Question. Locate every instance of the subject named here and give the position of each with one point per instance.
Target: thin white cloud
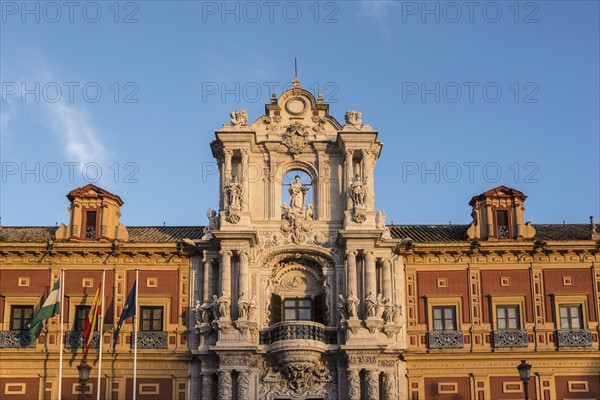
(378, 11)
(79, 138)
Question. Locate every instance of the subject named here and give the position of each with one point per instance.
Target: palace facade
(297, 288)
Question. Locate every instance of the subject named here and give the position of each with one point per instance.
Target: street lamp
(84, 374)
(525, 374)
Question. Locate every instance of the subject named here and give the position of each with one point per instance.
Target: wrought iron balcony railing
(293, 330)
(150, 340)
(445, 340)
(574, 337)
(510, 338)
(16, 340)
(74, 340)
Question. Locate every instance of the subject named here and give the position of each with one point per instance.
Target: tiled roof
(163, 234)
(430, 233)
(137, 234)
(457, 233)
(418, 233)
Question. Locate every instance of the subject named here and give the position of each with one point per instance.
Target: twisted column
(353, 385)
(372, 385)
(225, 385)
(243, 386)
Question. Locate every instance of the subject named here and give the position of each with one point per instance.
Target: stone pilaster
(208, 389)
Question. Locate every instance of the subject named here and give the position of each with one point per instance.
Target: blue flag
(127, 312)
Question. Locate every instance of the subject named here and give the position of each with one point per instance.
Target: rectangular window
(81, 314)
(20, 316)
(571, 316)
(507, 317)
(444, 318)
(151, 319)
(502, 224)
(90, 225)
(297, 310)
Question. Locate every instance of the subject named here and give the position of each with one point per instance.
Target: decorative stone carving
(234, 192)
(375, 305)
(353, 385)
(273, 123)
(238, 118)
(319, 124)
(208, 389)
(225, 385)
(342, 308)
(224, 309)
(352, 303)
(389, 386)
(372, 385)
(353, 119)
(357, 193)
(359, 217)
(380, 219)
(233, 217)
(296, 138)
(243, 385)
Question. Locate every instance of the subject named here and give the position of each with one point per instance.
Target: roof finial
(593, 224)
(296, 83)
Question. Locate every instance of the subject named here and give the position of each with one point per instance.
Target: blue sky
(465, 97)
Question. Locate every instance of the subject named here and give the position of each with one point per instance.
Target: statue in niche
(243, 307)
(380, 306)
(234, 192)
(352, 304)
(357, 193)
(397, 314)
(342, 308)
(297, 192)
(252, 308)
(198, 312)
(224, 309)
(371, 302)
(214, 307)
(207, 312)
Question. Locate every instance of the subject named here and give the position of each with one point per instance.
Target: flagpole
(135, 339)
(62, 306)
(101, 330)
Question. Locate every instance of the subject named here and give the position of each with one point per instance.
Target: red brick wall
(165, 389)
(519, 285)
(31, 388)
(74, 286)
(39, 282)
(562, 387)
(582, 283)
(167, 285)
(462, 384)
(457, 285)
(497, 390)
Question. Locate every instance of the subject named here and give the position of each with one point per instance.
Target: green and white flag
(50, 308)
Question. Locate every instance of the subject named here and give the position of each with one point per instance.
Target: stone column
(207, 287)
(225, 174)
(225, 273)
(225, 385)
(387, 279)
(367, 178)
(351, 273)
(353, 385)
(389, 386)
(371, 274)
(490, 221)
(208, 390)
(372, 385)
(243, 386)
(244, 179)
(349, 176)
(243, 278)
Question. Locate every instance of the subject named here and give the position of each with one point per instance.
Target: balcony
(16, 340)
(445, 340)
(150, 340)
(573, 338)
(510, 338)
(294, 330)
(74, 340)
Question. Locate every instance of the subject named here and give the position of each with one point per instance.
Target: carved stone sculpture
(214, 307)
(342, 308)
(234, 193)
(297, 192)
(198, 312)
(371, 302)
(243, 384)
(238, 118)
(357, 193)
(380, 219)
(225, 385)
(352, 303)
(353, 385)
(380, 305)
(224, 309)
(296, 138)
(243, 307)
(212, 221)
(353, 118)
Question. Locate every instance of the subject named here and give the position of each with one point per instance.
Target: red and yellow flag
(90, 322)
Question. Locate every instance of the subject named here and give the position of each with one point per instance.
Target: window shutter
(319, 310)
(275, 309)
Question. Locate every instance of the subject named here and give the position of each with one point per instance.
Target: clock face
(295, 106)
